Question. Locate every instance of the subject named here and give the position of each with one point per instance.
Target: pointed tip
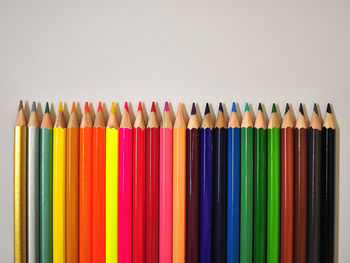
(220, 107)
(126, 107)
(60, 107)
(179, 108)
(87, 109)
(20, 106)
(246, 107)
(287, 108)
(47, 108)
(73, 107)
(301, 109)
(193, 110)
(207, 109)
(139, 108)
(153, 108)
(315, 108)
(329, 110)
(166, 106)
(33, 106)
(234, 109)
(99, 108)
(260, 107)
(274, 108)
(113, 107)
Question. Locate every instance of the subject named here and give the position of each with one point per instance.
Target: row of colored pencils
(234, 191)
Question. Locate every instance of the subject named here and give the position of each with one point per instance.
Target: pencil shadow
(145, 113)
(266, 116)
(92, 112)
(252, 112)
(39, 110)
(239, 113)
(212, 113)
(66, 112)
(118, 113)
(158, 113)
(171, 111)
(105, 112)
(199, 114)
(26, 109)
(53, 113)
(185, 113)
(226, 114)
(131, 114)
(78, 111)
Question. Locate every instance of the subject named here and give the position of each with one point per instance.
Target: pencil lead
(301, 109)
(315, 108)
(113, 108)
(246, 107)
(274, 108)
(193, 110)
(73, 107)
(329, 110)
(47, 108)
(99, 106)
(60, 108)
(220, 107)
(20, 106)
(287, 108)
(153, 108)
(260, 107)
(87, 109)
(139, 107)
(33, 106)
(234, 109)
(166, 106)
(126, 107)
(207, 109)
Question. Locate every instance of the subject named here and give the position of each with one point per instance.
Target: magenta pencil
(125, 189)
(166, 188)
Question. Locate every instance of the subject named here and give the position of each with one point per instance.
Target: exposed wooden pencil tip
(193, 110)
(234, 109)
(99, 106)
(126, 107)
(60, 107)
(139, 107)
(20, 106)
(47, 108)
(179, 108)
(207, 109)
(246, 107)
(73, 107)
(166, 106)
(33, 106)
(274, 108)
(287, 108)
(329, 110)
(301, 109)
(113, 108)
(87, 109)
(260, 107)
(315, 108)
(220, 107)
(153, 108)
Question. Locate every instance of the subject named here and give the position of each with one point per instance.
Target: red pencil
(99, 188)
(138, 200)
(152, 187)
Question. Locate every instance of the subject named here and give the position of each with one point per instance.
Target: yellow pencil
(59, 188)
(112, 145)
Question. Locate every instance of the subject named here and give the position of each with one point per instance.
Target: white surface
(185, 50)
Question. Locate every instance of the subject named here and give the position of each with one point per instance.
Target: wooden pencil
(59, 187)
(152, 187)
(300, 188)
(179, 187)
(287, 187)
(125, 189)
(166, 187)
(314, 187)
(112, 146)
(46, 133)
(219, 188)
(98, 218)
(85, 187)
(206, 187)
(72, 192)
(273, 187)
(33, 186)
(138, 187)
(233, 186)
(260, 152)
(328, 189)
(192, 187)
(20, 187)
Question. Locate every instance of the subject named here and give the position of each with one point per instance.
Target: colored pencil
(152, 187)
(59, 188)
(246, 240)
(287, 187)
(179, 188)
(46, 133)
(85, 187)
(138, 187)
(112, 145)
(314, 187)
(328, 189)
(98, 218)
(166, 187)
(72, 193)
(33, 186)
(20, 187)
(260, 140)
(233, 186)
(273, 187)
(300, 188)
(192, 187)
(206, 187)
(219, 188)
(125, 189)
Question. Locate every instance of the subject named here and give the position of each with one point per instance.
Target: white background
(184, 50)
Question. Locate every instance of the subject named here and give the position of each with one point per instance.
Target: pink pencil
(166, 188)
(125, 189)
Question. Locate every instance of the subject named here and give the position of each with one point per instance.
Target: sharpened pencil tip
(113, 107)
(47, 108)
(234, 109)
(179, 108)
(73, 107)
(166, 106)
(139, 108)
(87, 109)
(99, 106)
(274, 108)
(207, 109)
(220, 107)
(20, 106)
(153, 108)
(301, 109)
(33, 106)
(329, 110)
(287, 108)
(193, 110)
(126, 107)
(315, 108)
(246, 107)
(60, 107)
(260, 107)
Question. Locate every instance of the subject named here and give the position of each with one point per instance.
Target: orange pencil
(72, 192)
(99, 188)
(179, 187)
(85, 172)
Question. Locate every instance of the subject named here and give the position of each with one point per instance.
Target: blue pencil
(233, 186)
(206, 187)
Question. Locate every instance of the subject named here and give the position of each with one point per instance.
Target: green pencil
(46, 187)
(260, 188)
(246, 237)
(273, 187)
